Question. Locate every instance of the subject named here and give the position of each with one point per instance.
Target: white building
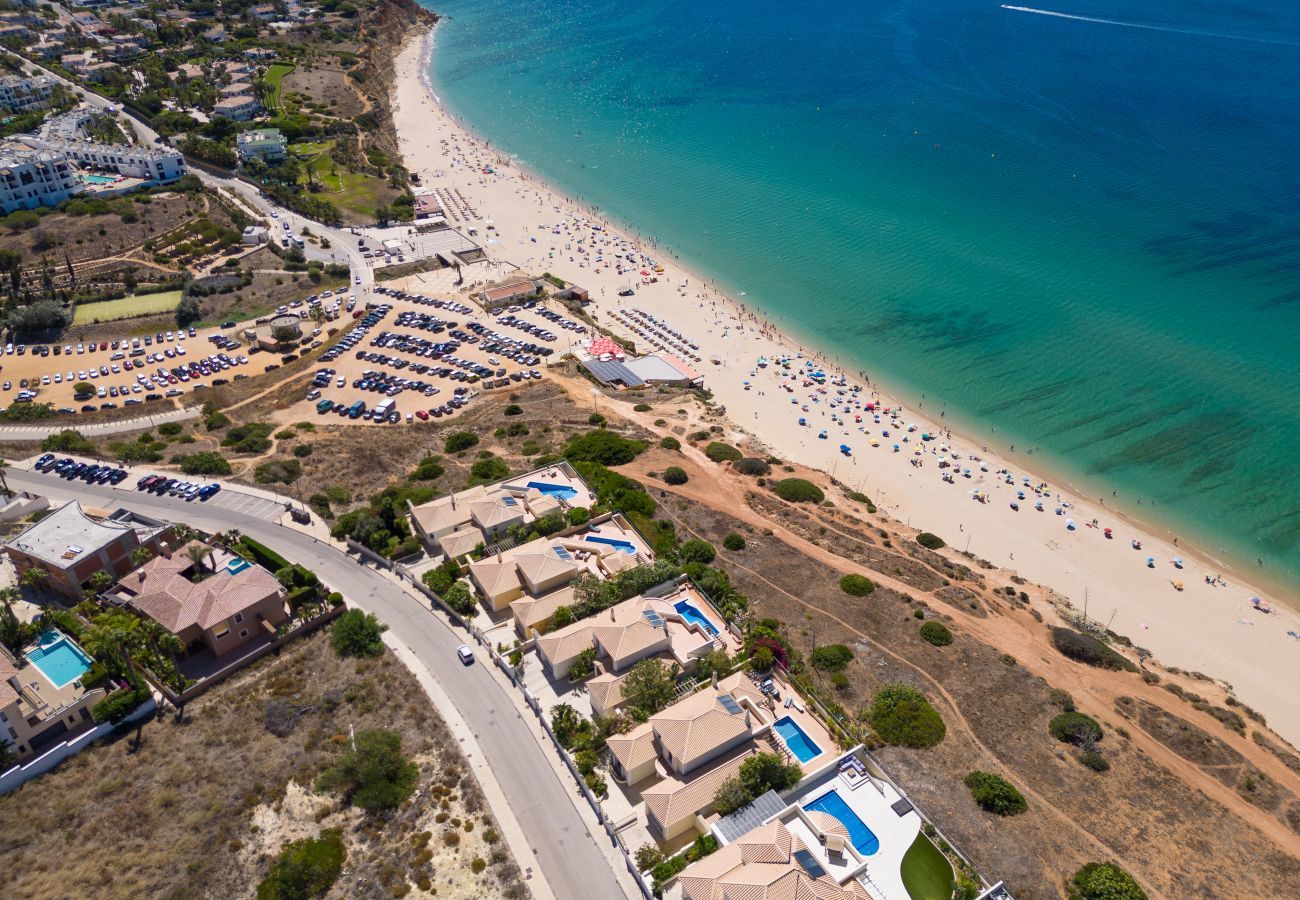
(261, 143)
(153, 164)
(32, 178)
(241, 108)
(22, 93)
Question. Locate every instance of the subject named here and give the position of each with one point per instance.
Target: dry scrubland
(201, 807)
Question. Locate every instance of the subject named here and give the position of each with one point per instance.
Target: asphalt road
(565, 849)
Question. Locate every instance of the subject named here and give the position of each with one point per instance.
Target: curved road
(565, 849)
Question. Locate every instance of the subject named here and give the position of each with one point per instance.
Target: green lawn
(274, 75)
(926, 873)
(126, 308)
(348, 190)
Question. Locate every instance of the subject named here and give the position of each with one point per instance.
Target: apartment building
(24, 93)
(33, 178)
(261, 143)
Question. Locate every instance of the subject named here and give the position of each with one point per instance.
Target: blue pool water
(691, 614)
(802, 746)
(59, 659)
(237, 565)
(863, 838)
(98, 179)
(625, 546)
(562, 491)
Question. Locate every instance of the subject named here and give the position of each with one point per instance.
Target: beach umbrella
(1178, 562)
(1069, 524)
(1151, 562)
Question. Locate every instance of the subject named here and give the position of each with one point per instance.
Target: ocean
(1075, 227)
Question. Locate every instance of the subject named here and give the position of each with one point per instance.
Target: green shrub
(670, 443)
(204, 462)
(936, 633)
(428, 469)
(284, 471)
(1088, 650)
(119, 704)
(460, 440)
(596, 419)
(734, 542)
(752, 465)
(994, 794)
(170, 428)
(831, 657)
(932, 541)
(1075, 728)
(702, 847)
(1094, 760)
(441, 577)
(486, 471)
(305, 868)
(1105, 881)
(675, 475)
(901, 715)
(604, 447)
(263, 555)
(215, 421)
(514, 409)
(375, 776)
(578, 516)
(302, 451)
(666, 871)
(720, 452)
(68, 440)
(857, 585)
(357, 633)
(798, 490)
(697, 551)
(459, 598)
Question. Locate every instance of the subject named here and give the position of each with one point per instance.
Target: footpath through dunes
(1188, 824)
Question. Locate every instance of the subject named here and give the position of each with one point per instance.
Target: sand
(1206, 627)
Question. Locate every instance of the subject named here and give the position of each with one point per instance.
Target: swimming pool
(99, 179)
(802, 746)
(59, 659)
(237, 565)
(562, 491)
(863, 838)
(625, 546)
(691, 614)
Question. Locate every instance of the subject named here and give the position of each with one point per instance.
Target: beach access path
(1206, 627)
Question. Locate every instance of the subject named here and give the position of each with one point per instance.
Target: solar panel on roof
(809, 863)
(729, 704)
(653, 618)
(508, 501)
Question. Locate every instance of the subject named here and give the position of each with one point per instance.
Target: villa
(841, 834)
(42, 699)
(682, 755)
(233, 602)
(454, 525)
(71, 544)
(673, 622)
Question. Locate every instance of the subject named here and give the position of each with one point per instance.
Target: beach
(1209, 626)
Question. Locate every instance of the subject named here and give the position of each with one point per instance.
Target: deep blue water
(1086, 235)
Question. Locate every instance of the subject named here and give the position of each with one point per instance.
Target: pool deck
(872, 801)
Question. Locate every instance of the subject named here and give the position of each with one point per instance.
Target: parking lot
(416, 357)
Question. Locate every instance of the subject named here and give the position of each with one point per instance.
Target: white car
(466, 654)
(274, 214)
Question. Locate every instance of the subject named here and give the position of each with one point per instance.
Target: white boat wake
(1167, 28)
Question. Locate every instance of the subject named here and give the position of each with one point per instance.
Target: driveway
(567, 852)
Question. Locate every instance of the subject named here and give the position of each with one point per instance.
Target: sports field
(126, 308)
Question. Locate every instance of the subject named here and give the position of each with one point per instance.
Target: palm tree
(4, 482)
(197, 552)
(13, 633)
(163, 644)
(100, 581)
(112, 637)
(140, 556)
(35, 577)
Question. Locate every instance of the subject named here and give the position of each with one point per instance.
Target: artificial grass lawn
(126, 308)
(926, 873)
(274, 75)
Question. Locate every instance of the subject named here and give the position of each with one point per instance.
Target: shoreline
(1063, 564)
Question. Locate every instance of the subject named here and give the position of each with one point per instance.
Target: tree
(305, 868)
(1075, 728)
(197, 553)
(35, 578)
(460, 440)
(357, 633)
(734, 542)
(901, 715)
(113, 637)
(650, 685)
(4, 482)
(675, 475)
(100, 581)
(459, 598)
(798, 490)
(14, 633)
(1105, 881)
(697, 551)
(936, 633)
(604, 447)
(856, 585)
(763, 772)
(566, 723)
(373, 775)
(188, 312)
(140, 556)
(43, 315)
(285, 334)
(731, 796)
(831, 657)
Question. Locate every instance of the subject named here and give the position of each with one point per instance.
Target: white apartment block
(32, 178)
(148, 163)
(22, 93)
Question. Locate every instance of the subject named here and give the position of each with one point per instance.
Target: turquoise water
(561, 491)
(59, 659)
(625, 546)
(99, 179)
(237, 565)
(803, 747)
(691, 614)
(864, 840)
(1085, 235)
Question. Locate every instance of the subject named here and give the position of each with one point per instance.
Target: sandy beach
(1082, 549)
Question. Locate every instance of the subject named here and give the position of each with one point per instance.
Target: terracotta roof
(626, 641)
(165, 595)
(7, 670)
(761, 865)
(489, 513)
(636, 748)
(460, 541)
(697, 726)
(495, 578)
(673, 799)
(567, 643)
(537, 568)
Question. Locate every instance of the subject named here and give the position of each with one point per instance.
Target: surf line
(1171, 30)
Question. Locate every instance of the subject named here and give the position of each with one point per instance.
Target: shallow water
(1083, 234)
